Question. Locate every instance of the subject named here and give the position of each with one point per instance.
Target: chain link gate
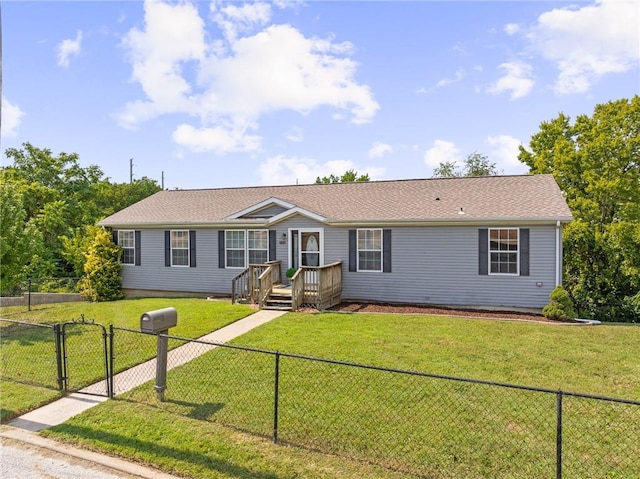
(85, 358)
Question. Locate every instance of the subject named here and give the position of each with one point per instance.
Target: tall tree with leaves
(349, 176)
(596, 162)
(476, 164)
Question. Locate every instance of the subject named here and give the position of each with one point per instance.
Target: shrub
(101, 280)
(290, 272)
(560, 306)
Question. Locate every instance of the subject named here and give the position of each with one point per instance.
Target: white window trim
(226, 257)
(517, 273)
(246, 248)
(123, 248)
(188, 248)
(381, 250)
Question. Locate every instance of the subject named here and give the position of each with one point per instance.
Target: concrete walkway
(23, 427)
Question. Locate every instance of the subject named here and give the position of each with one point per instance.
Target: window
(503, 251)
(370, 250)
(241, 247)
(234, 248)
(180, 248)
(258, 246)
(127, 241)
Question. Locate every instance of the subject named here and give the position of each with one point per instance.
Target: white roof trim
(296, 211)
(261, 205)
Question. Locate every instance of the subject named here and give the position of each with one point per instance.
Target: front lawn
(27, 354)
(442, 428)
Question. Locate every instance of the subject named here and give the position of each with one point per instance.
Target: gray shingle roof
(494, 198)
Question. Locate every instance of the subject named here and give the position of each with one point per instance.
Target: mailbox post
(158, 322)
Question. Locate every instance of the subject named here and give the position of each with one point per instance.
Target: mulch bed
(420, 309)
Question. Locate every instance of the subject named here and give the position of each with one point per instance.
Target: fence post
(276, 393)
(559, 435)
(58, 341)
(29, 295)
(111, 354)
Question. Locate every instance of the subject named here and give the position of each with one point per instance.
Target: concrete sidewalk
(23, 427)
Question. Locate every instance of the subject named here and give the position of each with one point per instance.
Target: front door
(306, 248)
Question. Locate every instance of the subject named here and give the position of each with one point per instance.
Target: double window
(370, 250)
(245, 247)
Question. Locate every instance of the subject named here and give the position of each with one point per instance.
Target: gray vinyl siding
(439, 265)
(430, 265)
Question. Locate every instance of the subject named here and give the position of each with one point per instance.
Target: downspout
(558, 253)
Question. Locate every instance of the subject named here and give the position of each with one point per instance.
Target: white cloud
(67, 48)
(503, 151)
(442, 151)
(511, 28)
(586, 43)
(281, 170)
(238, 18)
(517, 79)
(217, 139)
(173, 35)
(295, 134)
(379, 149)
(11, 119)
(242, 78)
(460, 74)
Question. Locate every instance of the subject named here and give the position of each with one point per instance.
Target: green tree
(348, 176)
(476, 164)
(61, 200)
(20, 241)
(101, 280)
(596, 162)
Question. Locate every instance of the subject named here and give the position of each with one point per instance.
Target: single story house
(462, 242)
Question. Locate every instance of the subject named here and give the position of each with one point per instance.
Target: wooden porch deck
(316, 287)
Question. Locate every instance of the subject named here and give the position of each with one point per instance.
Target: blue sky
(218, 94)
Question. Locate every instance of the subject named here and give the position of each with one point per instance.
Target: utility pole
(130, 170)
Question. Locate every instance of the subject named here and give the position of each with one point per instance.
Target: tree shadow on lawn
(197, 459)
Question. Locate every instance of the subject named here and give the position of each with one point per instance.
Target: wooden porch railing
(319, 287)
(246, 285)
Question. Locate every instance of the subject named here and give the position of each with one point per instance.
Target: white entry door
(306, 248)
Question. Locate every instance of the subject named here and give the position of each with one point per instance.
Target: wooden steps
(279, 299)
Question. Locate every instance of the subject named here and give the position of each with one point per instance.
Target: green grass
(433, 427)
(28, 368)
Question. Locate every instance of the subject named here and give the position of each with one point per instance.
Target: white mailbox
(158, 320)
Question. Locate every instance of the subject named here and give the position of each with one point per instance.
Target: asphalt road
(24, 461)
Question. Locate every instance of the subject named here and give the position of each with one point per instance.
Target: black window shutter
(353, 252)
(524, 251)
(137, 259)
(114, 236)
(483, 251)
(192, 249)
(386, 251)
(167, 248)
(272, 245)
(221, 261)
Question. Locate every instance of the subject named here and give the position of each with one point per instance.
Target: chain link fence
(39, 364)
(38, 291)
(424, 424)
(418, 423)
